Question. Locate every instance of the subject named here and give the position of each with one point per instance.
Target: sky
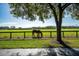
(7, 19)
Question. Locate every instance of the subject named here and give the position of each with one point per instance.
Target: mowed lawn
(38, 43)
(28, 43)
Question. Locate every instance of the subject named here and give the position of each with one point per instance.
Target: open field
(37, 43)
(29, 34)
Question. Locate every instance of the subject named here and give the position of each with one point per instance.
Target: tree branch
(65, 6)
(54, 12)
(51, 6)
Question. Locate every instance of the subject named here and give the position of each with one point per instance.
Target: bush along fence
(46, 34)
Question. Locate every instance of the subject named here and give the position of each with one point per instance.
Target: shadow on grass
(63, 51)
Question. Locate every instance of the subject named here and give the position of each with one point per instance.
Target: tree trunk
(59, 23)
(59, 38)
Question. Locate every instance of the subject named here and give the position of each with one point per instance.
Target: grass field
(29, 34)
(37, 43)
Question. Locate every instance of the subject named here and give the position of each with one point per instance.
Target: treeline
(6, 27)
(54, 27)
(65, 27)
(47, 27)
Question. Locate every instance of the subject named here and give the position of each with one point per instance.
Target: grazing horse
(38, 32)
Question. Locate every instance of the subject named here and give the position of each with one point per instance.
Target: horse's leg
(41, 34)
(37, 35)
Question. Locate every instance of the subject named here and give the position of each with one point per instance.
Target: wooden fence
(50, 34)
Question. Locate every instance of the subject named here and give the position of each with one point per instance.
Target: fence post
(10, 35)
(76, 33)
(50, 34)
(24, 35)
(63, 34)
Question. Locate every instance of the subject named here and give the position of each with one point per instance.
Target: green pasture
(29, 34)
(38, 43)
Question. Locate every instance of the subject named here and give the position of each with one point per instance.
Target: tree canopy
(31, 11)
(42, 11)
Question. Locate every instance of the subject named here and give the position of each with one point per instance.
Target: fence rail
(50, 33)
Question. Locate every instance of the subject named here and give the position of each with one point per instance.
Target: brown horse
(38, 32)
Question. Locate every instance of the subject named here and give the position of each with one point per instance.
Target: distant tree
(42, 11)
(19, 27)
(12, 27)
